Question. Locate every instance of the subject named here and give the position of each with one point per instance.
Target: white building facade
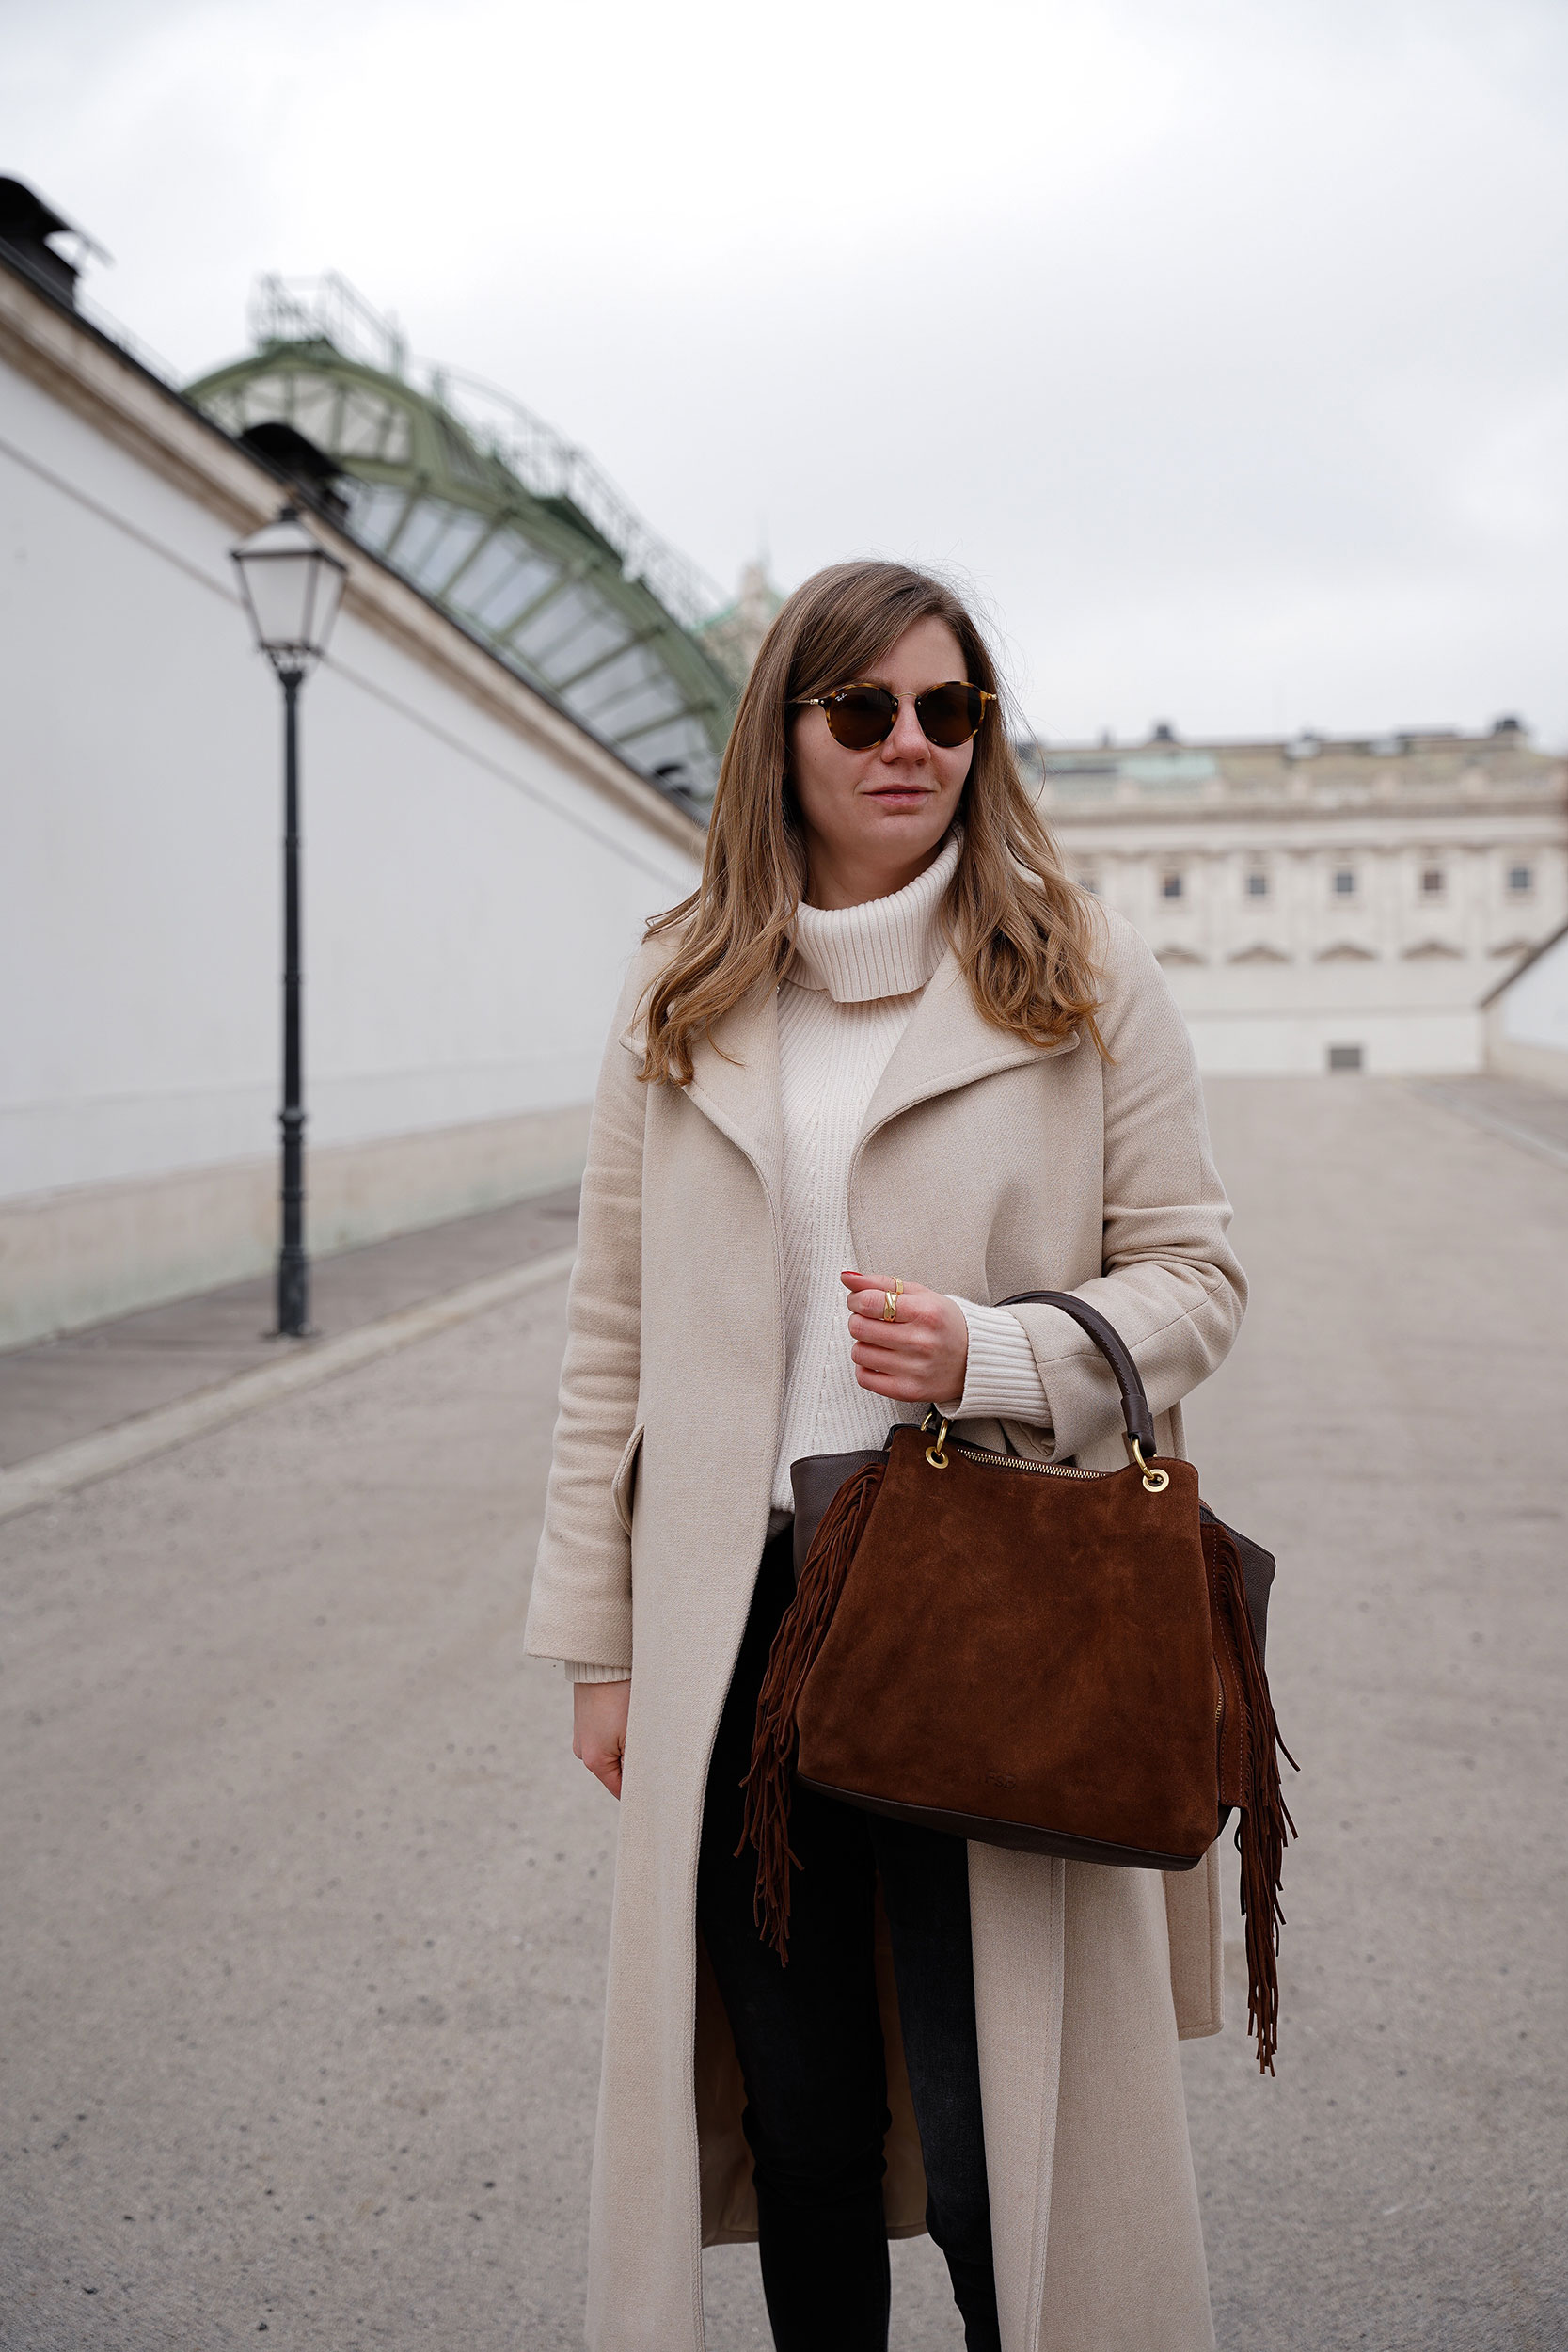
(1526, 1017)
(1323, 904)
(478, 867)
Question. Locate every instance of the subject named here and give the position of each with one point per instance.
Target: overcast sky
(1221, 345)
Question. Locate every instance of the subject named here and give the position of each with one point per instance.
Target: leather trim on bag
(1016, 1835)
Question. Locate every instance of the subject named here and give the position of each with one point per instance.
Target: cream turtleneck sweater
(846, 997)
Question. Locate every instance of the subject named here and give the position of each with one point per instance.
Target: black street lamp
(292, 588)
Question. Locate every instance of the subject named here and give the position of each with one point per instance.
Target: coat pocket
(623, 1486)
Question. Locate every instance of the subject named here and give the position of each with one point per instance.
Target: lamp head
(293, 587)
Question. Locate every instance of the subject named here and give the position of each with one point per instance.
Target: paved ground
(1390, 1423)
(303, 1899)
(1533, 1115)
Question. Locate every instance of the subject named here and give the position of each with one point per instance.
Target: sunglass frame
(825, 703)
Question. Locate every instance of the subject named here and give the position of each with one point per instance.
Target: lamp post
(292, 588)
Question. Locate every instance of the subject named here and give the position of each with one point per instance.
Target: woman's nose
(908, 740)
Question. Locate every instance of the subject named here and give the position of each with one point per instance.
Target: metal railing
(299, 310)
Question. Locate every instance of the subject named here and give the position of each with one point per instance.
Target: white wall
(470, 900)
(1409, 1043)
(1526, 1023)
(1533, 1010)
(1260, 1019)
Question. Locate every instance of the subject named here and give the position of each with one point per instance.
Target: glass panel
(326, 594)
(579, 649)
(281, 589)
(463, 460)
(682, 749)
(501, 580)
(658, 700)
(263, 398)
(628, 675)
(601, 649)
(682, 740)
(373, 427)
(428, 528)
(564, 613)
(653, 697)
(569, 633)
(313, 410)
(375, 510)
(444, 554)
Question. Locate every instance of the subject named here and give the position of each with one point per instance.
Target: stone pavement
(1534, 1116)
(304, 1898)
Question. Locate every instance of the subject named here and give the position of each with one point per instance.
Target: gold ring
(889, 1311)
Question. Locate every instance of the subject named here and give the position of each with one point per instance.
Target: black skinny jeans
(810, 2039)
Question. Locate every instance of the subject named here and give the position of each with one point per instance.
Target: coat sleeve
(580, 1607)
(1170, 1283)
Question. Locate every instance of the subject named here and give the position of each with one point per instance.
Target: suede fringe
(800, 1636)
(1266, 1824)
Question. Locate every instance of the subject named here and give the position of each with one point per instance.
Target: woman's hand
(599, 1728)
(922, 1356)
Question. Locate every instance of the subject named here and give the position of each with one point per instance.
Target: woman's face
(873, 820)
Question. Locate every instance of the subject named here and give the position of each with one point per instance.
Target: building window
(1521, 881)
(1173, 884)
(1432, 882)
(1257, 884)
(1343, 883)
(1344, 1058)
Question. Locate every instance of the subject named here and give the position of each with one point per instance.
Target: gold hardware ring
(1155, 1481)
(934, 1454)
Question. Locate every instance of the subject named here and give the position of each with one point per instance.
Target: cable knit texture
(849, 993)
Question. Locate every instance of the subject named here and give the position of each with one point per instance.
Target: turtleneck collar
(886, 947)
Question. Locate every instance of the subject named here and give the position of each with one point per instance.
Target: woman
(884, 1066)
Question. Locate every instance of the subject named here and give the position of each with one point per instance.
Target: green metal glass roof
(498, 520)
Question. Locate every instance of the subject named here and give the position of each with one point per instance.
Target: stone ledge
(92, 1251)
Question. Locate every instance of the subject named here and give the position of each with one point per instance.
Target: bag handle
(1134, 1403)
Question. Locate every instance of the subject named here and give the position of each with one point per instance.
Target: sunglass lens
(950, 714)
(860, 716)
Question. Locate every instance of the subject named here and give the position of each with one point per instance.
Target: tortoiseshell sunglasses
(860, 716)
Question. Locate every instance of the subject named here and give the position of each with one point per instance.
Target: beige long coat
(985, 1165)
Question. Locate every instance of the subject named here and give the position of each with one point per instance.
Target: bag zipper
(1022, 1462)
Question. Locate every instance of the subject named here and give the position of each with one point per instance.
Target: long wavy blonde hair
(1026, 935)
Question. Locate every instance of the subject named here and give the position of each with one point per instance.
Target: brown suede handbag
(1031, 1655)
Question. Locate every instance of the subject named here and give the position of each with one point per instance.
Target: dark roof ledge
(27, 227)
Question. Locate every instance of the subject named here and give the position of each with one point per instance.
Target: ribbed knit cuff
(1002, 1377)
(577, 1672)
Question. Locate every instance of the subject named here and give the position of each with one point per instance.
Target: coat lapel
(734, 1082)
(948, 1043)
